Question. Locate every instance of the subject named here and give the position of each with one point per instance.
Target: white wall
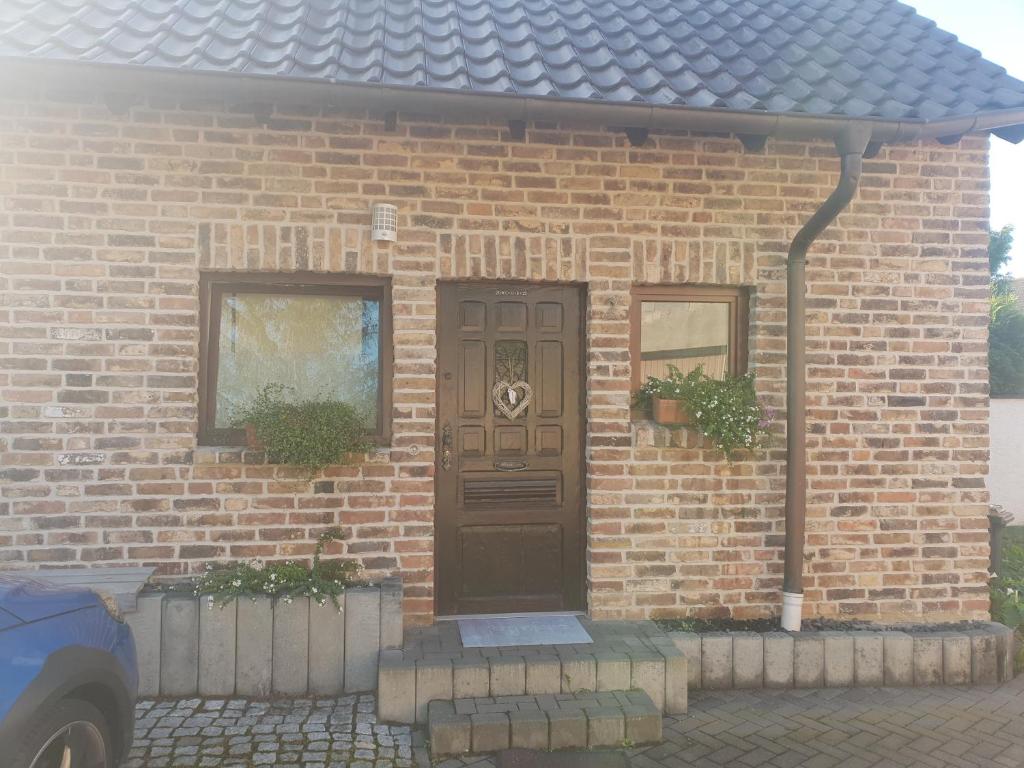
(1006, 470)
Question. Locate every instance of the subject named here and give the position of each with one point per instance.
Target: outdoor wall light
(384, 222)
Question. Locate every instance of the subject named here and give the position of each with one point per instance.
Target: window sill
(239, 454)
(649, 434)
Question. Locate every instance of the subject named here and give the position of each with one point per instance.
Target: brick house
(585, 192)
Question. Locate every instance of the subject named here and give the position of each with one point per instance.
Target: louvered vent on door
(511, 492)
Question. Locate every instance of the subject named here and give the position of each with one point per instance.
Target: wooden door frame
(582, 598)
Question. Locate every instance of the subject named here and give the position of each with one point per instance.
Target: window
(687, 326)
(317, 334)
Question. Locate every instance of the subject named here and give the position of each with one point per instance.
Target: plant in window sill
(313, 433)
(663, 399)
(726, 412)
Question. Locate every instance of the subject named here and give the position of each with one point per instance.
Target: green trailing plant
(322, 581)
(727, 412)
(1007, 588)
(312, 433)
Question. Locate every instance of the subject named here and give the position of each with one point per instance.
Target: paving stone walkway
(853, 728)
(850, 727)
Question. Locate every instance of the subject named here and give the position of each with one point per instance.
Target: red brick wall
(107, 220)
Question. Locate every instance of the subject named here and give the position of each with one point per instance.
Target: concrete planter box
(262, 647)
(725, 660)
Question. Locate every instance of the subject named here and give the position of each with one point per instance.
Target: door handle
(446, 447)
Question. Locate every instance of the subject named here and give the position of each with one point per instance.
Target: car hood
(31, 600)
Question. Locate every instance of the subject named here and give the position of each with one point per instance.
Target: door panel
(549, 379)
(472, 396)
(509, 513)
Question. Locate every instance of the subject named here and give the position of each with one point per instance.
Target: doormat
(522, 630)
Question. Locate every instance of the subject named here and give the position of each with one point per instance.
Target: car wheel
(71, 734)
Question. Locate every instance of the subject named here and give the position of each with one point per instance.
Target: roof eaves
(1005, 123)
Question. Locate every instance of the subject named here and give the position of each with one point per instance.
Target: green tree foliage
(1006, 322)
(1000, 243)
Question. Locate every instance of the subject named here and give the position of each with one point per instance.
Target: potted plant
(252, 440)
(663, 398)
(312, 433)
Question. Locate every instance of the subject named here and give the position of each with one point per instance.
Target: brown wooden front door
(509, 459)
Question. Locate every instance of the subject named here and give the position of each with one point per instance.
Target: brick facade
(106, 221)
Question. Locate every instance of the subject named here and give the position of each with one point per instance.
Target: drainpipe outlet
(792, 611)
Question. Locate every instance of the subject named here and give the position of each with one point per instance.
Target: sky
(996, 28)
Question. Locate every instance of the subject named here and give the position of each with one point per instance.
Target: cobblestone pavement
(852, 728)
(235, 733)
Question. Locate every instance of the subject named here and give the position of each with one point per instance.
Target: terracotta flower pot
(669, 412)
(251, 439)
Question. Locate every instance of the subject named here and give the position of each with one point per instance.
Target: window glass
(319, 345)
(684, 334)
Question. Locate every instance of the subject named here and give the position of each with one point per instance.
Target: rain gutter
(127, 79)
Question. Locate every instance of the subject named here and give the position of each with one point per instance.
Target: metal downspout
(850, 146)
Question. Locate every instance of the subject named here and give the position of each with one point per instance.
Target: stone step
(408, 681)
(585, 719)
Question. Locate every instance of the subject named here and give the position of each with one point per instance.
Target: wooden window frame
(213, 285)
(737, 299)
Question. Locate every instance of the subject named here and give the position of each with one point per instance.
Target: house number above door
(511, 393)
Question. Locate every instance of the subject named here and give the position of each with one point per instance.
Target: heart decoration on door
(511, 400)
(511, 394)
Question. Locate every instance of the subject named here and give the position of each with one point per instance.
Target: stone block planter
(262, 647)
(832, 659)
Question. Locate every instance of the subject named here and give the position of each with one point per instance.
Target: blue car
(68, 678)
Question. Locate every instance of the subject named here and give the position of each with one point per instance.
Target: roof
(847, 58)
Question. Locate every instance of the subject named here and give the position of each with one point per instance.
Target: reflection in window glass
(684, 334)
(317, 345)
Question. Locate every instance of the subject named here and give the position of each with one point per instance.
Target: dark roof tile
(847, 57)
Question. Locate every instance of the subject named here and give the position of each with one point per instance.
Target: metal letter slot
(510, 466)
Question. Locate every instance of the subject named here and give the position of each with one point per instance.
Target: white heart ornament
(511, 410)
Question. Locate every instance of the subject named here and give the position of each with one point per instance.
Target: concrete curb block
(260, 647)
(844, 659)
